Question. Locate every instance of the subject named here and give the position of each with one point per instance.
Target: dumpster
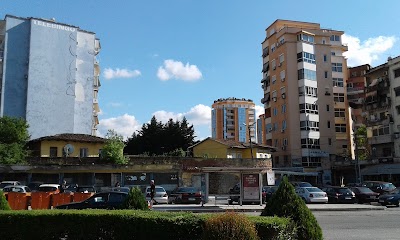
(61, 198)
(41, 200)
(18, 201)
(79, 197)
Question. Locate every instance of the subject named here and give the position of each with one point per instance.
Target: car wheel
(398, 203)
(230, 201)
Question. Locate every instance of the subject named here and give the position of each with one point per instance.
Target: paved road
(360, 225)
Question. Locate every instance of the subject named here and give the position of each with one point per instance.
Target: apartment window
(276, 142)
(337, 67)
(265, 52)
(100, 151)
(340, 128)
(325, 58)
(335, 38)
(281, 59)
(381, 130)
(326, 74)
(398, 109)
(273, 48)
(305, 73)
(329, 124)
(276, 126)
(53, 151)
(327, 107)
(285, 142)
(396, 73)
(273, 79)
(323, 41)
(83, 152)
(306, 57)
(275, 111)
(337, 82)
(283, 124)
(312, 143)
(309, 125)
(340, 112)
(305, 38)
(338, 97)
(301, 91)
(308, 108)
(274, 94)
(397, 91)
(273, 64)
(329, 141)
(283, 75)
(333, 53)
(283, 108)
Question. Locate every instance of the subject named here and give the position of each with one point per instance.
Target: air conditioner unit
(274, 99)
(282, 130)
(283, 95)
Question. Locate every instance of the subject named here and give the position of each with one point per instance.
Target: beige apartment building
(306, 111)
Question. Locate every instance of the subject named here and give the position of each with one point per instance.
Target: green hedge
(122, 224)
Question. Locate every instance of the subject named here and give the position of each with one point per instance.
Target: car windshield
(396, 191)
(47, 189)
(365, 190)
(3, 184)
(305, 184)
(388, 186)
(270, 189)
(158, 189)
(343, 190)
(313, 189)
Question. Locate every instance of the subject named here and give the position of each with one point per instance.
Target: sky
(172, 59)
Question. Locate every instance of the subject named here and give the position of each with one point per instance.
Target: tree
(156, 138)
(3, 202)
(113, 150)
(14, 136)
(135, 200)
(286, 203)
(360, 135)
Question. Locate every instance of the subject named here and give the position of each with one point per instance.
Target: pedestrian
(117, 184)
(152, 192)
(63, 186)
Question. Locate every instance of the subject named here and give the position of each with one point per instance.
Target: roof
(235, 144)
(71, 137)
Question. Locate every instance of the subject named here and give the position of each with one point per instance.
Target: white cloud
(177, 70)
(367, 51)
(110, 73)
(259, 110)
(124, 125)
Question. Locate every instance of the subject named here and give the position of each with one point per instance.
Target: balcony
(354, 90)
(388, 138)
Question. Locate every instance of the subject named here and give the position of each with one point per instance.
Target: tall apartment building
(305, 101)
(49, 75)
(233, 119)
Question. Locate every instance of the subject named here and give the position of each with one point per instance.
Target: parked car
(379, 186)
(160, 195)
(103, 200)
(267, 192)
(186, 195)
(392, 198)
(7, 183)
(17, 188)
(34, 186)
(365, 195)
(301, 184)
(340, 194)
(355, 185)
(85, 189)
(312, 194)
(53, 188)
(121, 189)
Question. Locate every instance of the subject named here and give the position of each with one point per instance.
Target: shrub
(229, 225)
(286, 203)
(135, 200)
(3, 202)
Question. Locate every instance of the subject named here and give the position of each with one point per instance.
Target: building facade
(233, 119)
(49, 75)
(306, 111)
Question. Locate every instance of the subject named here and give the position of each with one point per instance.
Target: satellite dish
(68, 149)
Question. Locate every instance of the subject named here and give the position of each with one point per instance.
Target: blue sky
(174, 58)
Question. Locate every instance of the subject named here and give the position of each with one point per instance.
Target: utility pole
(358, 169)
(251, 146)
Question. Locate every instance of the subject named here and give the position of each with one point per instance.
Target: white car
(8, 183)
(160, 196)
(16, 188)
(312, 194)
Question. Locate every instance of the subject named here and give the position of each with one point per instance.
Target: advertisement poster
(271, 178)
(251, 187)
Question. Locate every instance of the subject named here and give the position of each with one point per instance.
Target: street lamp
(251, 146)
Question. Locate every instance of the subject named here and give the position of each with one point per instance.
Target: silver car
(312, 194)
(160, 196)
(7, 183)
(16, 188)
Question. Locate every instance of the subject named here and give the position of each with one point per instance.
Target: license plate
(192, 199)
(381, 201)
(373, 197)
(348, 198)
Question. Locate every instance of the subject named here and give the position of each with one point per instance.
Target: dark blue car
(391, 198)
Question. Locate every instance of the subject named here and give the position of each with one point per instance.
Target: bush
(229, 225)
(3, 202)
(135, 200)
(286, 203)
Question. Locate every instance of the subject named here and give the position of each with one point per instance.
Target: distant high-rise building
(49, 75)
(233, 119)
(306, 112)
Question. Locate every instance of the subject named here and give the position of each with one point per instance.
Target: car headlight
(389, 198)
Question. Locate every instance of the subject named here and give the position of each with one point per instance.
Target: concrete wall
(93, 148)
